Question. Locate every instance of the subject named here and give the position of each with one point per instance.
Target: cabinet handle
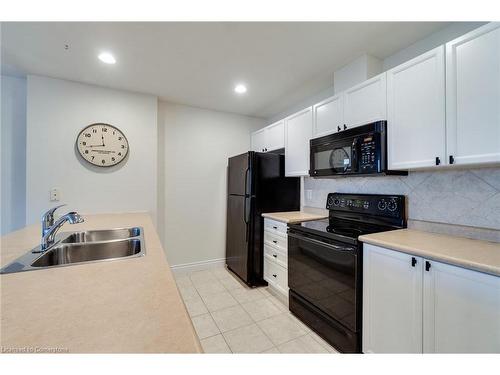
(452, 159)
(274, 255)
(274, 241)
(274, 227)
(427, 265)
(274, 275)
(413, 261)
(438, 160)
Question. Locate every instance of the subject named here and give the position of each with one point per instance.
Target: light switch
(55, 195)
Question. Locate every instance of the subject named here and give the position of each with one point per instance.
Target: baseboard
(197, 266)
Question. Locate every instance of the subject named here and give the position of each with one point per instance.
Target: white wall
(194, 145)
(56, 112)
(13, 154)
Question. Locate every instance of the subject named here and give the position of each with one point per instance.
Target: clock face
(102, 145)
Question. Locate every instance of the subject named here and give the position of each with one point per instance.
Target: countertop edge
(307, 217)
(460, 262)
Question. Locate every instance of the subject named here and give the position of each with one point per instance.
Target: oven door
(334, 157)
(326, 273)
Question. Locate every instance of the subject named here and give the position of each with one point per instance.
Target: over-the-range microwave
(358, 151)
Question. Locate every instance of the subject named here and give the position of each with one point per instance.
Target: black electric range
(325, 264)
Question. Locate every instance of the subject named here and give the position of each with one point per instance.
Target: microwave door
(340, 159)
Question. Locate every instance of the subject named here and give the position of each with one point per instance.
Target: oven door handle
(321, 243)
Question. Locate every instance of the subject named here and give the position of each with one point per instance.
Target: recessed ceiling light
(240, 89)
(107, 58)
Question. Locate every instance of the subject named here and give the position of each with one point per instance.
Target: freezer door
(238, 174)
(238, 235)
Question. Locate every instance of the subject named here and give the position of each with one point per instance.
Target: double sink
(83, 247)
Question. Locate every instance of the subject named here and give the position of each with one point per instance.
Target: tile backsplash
(468, 197)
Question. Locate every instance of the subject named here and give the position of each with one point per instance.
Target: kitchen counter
(121, 306)
(292, 217)
(477, 255)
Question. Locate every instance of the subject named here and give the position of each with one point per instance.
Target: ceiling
(199, 63)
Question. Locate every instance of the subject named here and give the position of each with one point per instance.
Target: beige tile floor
(230, 317)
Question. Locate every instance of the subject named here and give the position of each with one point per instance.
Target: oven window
(338, 159)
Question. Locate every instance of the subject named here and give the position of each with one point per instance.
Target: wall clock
(101, 144)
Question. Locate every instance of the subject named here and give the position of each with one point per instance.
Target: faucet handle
(48, 218)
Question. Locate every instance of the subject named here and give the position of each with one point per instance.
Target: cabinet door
(392, 301)
(416, 112)
(275, 136)
(461, 310)
(473, 96)
(298, 131)
(328, 116)
(366, 102)
(258, 140)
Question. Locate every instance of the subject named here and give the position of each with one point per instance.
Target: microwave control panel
(369, 160)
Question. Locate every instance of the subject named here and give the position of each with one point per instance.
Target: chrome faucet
(50, 227)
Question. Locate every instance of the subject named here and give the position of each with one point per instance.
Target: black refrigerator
(256, 184)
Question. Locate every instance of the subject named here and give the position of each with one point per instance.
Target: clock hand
(102, 137)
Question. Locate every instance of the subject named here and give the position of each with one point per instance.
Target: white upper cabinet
(416, 126)
(461, 310)
(392, 301)
(473, 96)
(366, 102)
(258, 140)
(275, 137)
(328, 116)
(298, 132)
(270, 138)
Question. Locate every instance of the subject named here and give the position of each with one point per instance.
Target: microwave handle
(355, 154)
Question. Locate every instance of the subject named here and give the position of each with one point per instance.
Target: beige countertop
(292, 217)
(122, 306)
(477, 255)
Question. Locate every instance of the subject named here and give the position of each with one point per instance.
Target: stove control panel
(379, 205)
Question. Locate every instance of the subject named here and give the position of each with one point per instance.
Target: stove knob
(336, 202)
(392, 205)
(382, 205)
(329, 202)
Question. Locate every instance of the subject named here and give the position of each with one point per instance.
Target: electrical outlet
(309, 194)
(55, 195)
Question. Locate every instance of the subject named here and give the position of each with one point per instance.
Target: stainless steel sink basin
(64, 254)
(83, 247)
(102, 235)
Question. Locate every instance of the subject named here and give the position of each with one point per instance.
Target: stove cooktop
(340, 230)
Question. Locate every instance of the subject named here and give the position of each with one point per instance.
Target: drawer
(276, 275)
(276, 255)
(278, 240)
(274, 226)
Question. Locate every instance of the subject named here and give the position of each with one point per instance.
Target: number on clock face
(102, 145)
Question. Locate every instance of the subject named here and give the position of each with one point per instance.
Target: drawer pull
(274, 255)
(274, 241)
(274, 275)
(275, 227)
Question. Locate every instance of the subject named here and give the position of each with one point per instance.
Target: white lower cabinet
(392, 302)
(461, 310)
(414, 305)
(276, 255)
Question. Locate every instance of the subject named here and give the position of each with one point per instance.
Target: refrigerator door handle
(246, 213)
(246, 181)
